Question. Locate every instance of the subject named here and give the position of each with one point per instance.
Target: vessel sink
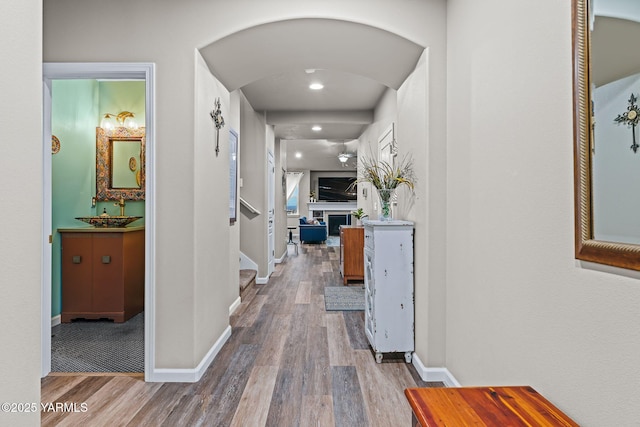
(108, 221)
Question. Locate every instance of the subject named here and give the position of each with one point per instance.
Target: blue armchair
(312, 232)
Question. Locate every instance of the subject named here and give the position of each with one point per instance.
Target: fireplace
(335, 221)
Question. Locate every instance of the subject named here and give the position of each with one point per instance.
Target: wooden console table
(483, 406)
(351, 253)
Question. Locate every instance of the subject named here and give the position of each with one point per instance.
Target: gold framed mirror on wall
(606, 160)
(120, 164)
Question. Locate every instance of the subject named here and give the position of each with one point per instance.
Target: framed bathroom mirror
(120, 164)
(606, 158)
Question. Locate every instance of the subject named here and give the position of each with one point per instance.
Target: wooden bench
(483, 406)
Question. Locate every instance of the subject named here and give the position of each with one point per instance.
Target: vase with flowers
(385, 178)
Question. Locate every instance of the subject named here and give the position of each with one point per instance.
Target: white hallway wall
(21, 238)
(520, 309)
(253, 169)
(213, 290)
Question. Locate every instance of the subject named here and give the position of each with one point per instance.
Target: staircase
(247, 279)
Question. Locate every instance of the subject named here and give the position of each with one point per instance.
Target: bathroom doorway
(92, 88)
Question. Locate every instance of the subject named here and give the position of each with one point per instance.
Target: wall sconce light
(122, 119)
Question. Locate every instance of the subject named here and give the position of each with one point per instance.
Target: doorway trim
(115, 70)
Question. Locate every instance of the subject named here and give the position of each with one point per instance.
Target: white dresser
(388, 279)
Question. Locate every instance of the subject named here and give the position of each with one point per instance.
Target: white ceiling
(356, 63)
(320, 155)
(607, 64)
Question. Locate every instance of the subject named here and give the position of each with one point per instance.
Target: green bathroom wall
(76, 110)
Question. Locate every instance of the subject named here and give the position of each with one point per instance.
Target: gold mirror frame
(104, 141)
(586, 247)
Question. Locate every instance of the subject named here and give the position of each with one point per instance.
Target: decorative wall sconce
(218, 120)
(123, 119)
(631, 117)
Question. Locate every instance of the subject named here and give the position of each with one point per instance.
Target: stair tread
(246, 278)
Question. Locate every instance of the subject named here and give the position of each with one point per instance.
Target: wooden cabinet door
(354, 256)
(76, 273)
(107, 273)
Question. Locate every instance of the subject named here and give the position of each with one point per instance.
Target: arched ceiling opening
(274, 64)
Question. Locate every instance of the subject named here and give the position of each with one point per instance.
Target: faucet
(121, 204)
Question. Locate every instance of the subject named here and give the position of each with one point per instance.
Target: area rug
(333, 241)
(343, 298)
(98, 346)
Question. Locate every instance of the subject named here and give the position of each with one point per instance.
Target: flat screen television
(334, 189)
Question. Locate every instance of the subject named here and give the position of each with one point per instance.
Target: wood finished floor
(288, 363)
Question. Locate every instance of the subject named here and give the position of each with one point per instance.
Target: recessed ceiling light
(298, 155)
(317, 128)
(310, 70)
(316, 86)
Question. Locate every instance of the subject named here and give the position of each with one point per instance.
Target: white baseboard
(234, 306)
(434, 374)
(56, 320)
(262, 280)
(191, 375)
(281, 259)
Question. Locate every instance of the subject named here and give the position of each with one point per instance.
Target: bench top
(484, 406)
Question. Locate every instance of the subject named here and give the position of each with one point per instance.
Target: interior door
(271, 178)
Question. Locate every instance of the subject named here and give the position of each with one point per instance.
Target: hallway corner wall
(22, 238)
(253, 167)
(281, 232)
(212, 233)
(233, 121)
(420, 134)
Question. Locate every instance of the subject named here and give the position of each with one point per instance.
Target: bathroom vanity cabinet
(102, 273)
(388, 280)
